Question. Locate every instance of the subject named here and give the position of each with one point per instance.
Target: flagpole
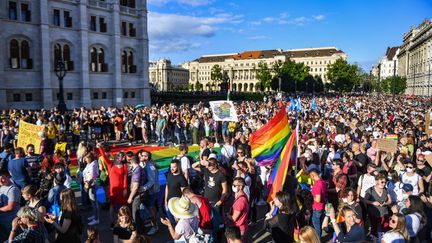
(297, 146)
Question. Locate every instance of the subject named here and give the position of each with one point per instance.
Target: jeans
(177, 136)
(94, 202)
(185, 134)
(136, 203)
(170, 216)
(317, 218)
(160, 137)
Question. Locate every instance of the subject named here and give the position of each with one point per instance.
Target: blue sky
(183, 30)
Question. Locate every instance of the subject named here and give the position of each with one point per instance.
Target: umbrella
(139, 106)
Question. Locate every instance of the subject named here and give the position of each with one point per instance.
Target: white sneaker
(93, 222)
(91, 218)
(153, 230)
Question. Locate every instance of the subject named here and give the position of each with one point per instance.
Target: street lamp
(430, 60)
(414, 79)
(60, 72)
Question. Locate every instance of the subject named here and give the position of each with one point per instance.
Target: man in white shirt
(184, 161)
(228, 151)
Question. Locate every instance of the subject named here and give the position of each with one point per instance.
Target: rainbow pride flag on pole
(275, 144)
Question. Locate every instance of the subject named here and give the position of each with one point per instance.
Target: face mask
(389, 178)
(409, 169)
(234, 189)
(345, 200)
(404, 196)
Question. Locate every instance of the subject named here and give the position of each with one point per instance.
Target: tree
(394, 84)
(290, 74)
(216, 75)
(342, 75)
(263, 74)
(198, 86)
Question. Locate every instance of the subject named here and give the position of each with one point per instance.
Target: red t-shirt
(204, 213)
(241, 204)
(319, 188)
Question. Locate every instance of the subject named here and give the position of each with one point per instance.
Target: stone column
(116, 56)
(46, 65)
(83, 53)
(143, 36)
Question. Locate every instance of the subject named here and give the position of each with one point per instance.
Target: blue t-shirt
(9, 194)
(18, 169)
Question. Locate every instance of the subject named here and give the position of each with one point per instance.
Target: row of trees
(290, 76)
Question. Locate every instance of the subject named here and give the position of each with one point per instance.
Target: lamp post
(414, 79)
(60, 72)
(430, 60)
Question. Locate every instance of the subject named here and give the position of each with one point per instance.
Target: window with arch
(128, 65)
(97, 60)
(63, 52)
(19, 54)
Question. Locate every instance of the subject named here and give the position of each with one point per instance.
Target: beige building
(387, 66)
(415, 59)
(241, 67)
(164, 76)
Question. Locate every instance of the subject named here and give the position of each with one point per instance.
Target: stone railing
(99, 4)
(127, 10)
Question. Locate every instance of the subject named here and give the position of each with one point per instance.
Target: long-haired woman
(282, 223)
(125, 228)
(398, 232)
(69, 224)
(308, 234)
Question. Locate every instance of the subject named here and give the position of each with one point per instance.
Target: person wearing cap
(216, 186)
(9, 203)
(185, 214)
(319, 193)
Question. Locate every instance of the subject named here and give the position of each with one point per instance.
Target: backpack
(4, 162)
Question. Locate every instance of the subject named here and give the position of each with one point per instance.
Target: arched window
(25, 50)
(57, 53)
(93, 59)
(234, 87)
(240, 86)
(131, 66)
(66, 53)
(14, 54)
(245, 87)
(101, 61)
(124, 62)
(251, 86)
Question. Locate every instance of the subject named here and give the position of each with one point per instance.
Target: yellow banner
(29, 134)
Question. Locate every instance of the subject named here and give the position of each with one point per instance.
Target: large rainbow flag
(275, 144)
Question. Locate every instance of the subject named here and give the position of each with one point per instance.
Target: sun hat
(182, 208)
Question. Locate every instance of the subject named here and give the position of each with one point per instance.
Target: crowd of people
(343, 188)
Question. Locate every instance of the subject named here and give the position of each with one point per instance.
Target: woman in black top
(124, 229)
(281, 224)
(70, 226)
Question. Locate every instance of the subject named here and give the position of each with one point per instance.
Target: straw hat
(182, 208)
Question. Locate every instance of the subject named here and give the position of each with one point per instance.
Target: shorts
(150, 200)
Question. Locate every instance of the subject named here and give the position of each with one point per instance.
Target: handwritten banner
(29, 134)
(389, 146)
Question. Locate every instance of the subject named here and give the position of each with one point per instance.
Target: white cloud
(319, 17)
(234, 5)
(172, 46)
(193, 3)
(258, 37)
(269, 19)
(175, 32)
(255, 23)
(300, 21)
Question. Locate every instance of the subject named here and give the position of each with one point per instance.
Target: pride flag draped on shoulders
(275, 144)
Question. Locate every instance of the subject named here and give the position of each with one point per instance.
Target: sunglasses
(239, 152)
(383, 182)
(393, 221)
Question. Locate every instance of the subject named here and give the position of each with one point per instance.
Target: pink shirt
(319, 188)
(241, 205)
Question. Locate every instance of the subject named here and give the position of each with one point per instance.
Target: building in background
(387, 66)
(415, 59)
(104, 45)
(164, 77)
(241, 67)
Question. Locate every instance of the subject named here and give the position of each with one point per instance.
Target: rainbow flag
(392, 137)
(275, 144)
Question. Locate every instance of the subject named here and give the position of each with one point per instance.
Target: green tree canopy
(216, 74)
(394, 84)
(290, 74)
(342, 75)
(263, 74)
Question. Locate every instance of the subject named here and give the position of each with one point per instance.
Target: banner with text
(29, 134)
(223, 110)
